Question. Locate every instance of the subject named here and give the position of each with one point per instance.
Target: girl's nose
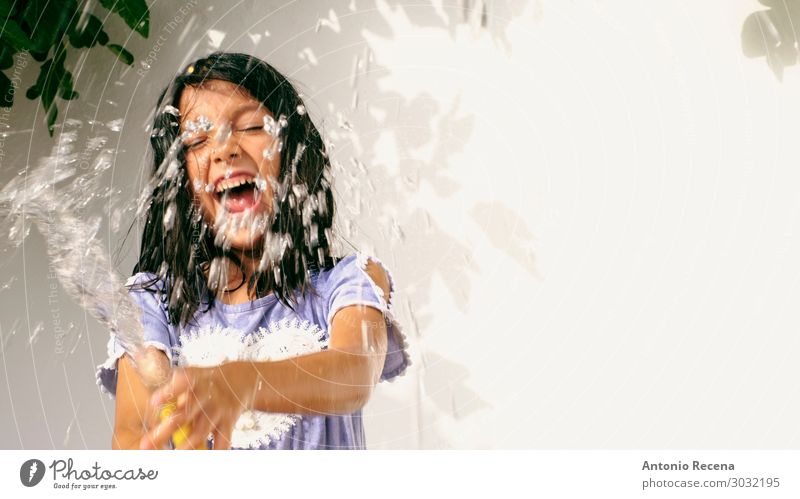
(225, 150)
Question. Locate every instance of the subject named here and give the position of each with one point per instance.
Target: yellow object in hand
(182, 433)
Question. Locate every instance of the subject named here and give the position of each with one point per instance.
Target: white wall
(589, 208)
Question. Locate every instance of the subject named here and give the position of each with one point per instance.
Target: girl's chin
(244, 239)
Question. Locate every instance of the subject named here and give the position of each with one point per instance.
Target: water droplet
(115, 125)
(217, 279)
(270, 125)
(224, 133)
(358, 164)
(8, 283)
(354, 74)
(15, 229)
(96, 143)
(172, 169)
(34, 335)
(65, 442)
(397, 232)
(202, 124)
(344, 124)
(169, 217)
(77, 342)
(116, 219)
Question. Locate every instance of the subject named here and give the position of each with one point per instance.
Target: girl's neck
(243, 293)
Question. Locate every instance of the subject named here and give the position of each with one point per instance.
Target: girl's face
(228, 170)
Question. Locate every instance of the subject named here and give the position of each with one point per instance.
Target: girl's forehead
(217, 100)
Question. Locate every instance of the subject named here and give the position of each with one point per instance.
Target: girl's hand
(209, 400)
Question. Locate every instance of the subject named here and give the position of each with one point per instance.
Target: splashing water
(54, 194)
(8, 283)
(81, 265)
(275, 129)
(172, 110)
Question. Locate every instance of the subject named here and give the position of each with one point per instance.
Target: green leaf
(51, 119)
(122, 54)
(89, 33)
(13, 35)
(47, 22)
(33, 93)
(59, 56)
(71, 95)
(65, 90)
(39, 56)
(134, 12)
(7, 8)
(48, 82)
(5, 91)
(6, 56)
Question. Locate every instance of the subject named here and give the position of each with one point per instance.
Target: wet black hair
(180, 253)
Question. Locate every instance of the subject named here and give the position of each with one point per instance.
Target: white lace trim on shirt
(212, 345)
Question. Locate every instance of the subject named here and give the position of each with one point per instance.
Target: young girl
(275, 343)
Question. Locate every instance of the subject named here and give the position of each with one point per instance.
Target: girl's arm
(131, 406)
(336, 381)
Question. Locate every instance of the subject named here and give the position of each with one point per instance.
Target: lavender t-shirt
(265, 329)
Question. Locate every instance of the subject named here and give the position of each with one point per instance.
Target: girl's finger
(177, 384)
(203, 420)
(152, 417)
(158, 438)
(222, 436)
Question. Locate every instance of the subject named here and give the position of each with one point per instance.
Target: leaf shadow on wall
(773, 34)
(423, 249)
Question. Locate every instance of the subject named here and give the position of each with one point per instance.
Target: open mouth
(238, 193)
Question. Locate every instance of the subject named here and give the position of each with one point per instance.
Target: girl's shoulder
(334, 268)
(343, 268)
(357, 270)
(148, 290)
(145, 281)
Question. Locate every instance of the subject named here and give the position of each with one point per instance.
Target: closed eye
(194, 145)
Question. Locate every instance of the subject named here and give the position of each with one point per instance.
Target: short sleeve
(349, 284)
(157, 332)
